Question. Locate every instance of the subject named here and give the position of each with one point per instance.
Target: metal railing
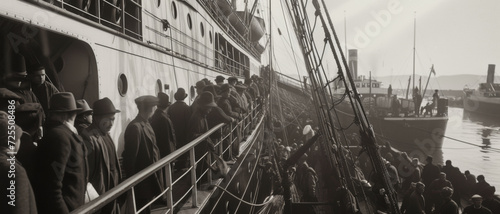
(164, 166)
(123, 16)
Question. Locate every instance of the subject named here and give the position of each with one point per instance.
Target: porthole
(174, 10)
(202, 29)
(190, 24)
(191, 92)
(122, 85)
(210, 36)
(158, 87)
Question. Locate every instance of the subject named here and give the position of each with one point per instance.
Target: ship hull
(482, 106)
(417, 136)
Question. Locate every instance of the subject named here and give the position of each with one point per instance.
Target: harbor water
(473, 143)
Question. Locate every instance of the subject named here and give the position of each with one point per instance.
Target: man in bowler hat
(219, 80)
(103, 165)
(179, 113)
(60, 170)
(141, 151)
(162, 126)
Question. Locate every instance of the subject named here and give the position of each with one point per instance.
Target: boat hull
(417, 136)
(484, 106)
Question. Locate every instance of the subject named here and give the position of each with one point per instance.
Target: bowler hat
(231, 79)
(200, 84)
(219, 78)
(146, 100)
(83, 105)
(206, 99)
(164, 99)
(63, 102)
(180, 94)
(104, 106)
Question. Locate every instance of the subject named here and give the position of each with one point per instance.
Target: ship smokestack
(491, 74)
(353, 63)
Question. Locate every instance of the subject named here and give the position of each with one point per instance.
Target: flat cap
(146, 100)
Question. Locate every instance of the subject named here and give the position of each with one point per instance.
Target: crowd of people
(431, 188)
(63, 156)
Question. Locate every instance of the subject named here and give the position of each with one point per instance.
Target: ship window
(192, 91)
(190, 24)
(210, 36)
(202, 29)
(122, 85)
(159, 86)
(174, 10)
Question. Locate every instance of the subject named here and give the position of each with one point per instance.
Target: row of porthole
(123, 86)
(189, 21)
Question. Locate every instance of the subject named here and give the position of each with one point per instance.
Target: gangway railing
(164, 166)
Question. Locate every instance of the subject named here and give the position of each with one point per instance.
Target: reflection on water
(477, 144)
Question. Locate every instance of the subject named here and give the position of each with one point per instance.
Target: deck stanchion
(192, 160)
(170, 199)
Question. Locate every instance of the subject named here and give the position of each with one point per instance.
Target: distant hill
(453, 82)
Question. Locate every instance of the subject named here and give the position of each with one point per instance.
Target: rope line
(240, 199)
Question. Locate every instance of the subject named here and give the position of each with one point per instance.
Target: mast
(270, 64)
(414, 43)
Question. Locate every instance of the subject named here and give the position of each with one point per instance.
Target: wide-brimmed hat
(219, 78)
(180, 94)
(163, 100)
(104, 106)
(83, 105)
(63, 102)
(146, 100)
(15, 67)
(206, 100)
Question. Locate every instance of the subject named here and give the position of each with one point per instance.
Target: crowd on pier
(56, 153)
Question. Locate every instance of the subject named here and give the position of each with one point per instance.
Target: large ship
(123, 49)
(484, 101)
(394, 119)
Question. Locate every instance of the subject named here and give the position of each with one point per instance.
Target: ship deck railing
(251, 123)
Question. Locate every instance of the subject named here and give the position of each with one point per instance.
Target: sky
(456, 36)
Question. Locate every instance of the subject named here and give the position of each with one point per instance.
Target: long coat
(24, 197)
(104, 167)
(140, 152)
(164, 132)
(60, 170)
(179, 114)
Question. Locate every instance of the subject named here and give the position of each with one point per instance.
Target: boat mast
(270, 65)
(414, 43)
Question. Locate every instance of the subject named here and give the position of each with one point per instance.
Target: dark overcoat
(164, 132)
(24, 200)
(60, 172)
(140, 152)
(179, 113)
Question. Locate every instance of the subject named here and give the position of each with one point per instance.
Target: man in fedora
(198, 125)
(200, 85)
(103, 165)
(235, 98)
(141, 151)
(84, 117)
(162, 126)
(60, 170)
(179, 113)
